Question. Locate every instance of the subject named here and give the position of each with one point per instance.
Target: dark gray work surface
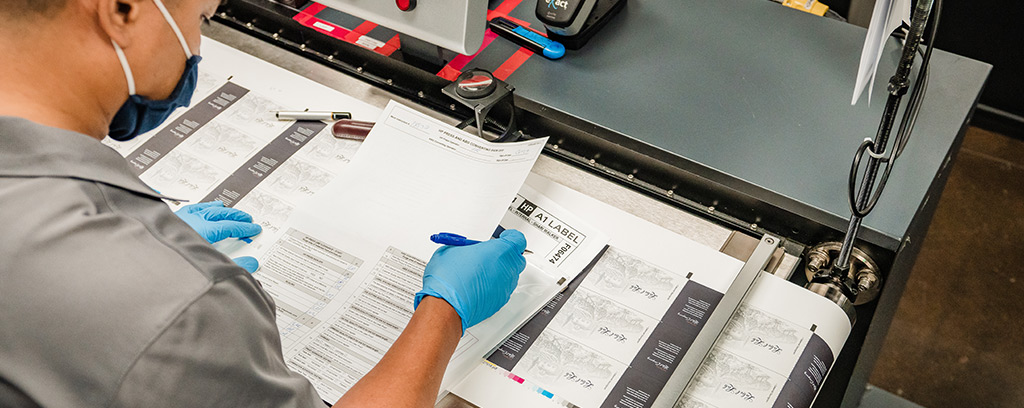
(759, 92)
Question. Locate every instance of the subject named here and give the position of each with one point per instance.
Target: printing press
(721, 121)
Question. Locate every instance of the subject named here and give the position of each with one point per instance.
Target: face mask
(139, 114)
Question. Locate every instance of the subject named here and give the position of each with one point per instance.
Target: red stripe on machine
(460, 61)
(391, 46)
(309, 12)
(360, 31)
(513, 63)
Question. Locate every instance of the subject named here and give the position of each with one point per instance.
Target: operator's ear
(117, 18)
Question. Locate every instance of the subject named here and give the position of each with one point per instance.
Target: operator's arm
(462, 286)
(410, 373)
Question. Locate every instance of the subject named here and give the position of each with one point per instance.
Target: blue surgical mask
(139, 114)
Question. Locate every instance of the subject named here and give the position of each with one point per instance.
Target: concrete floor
(958, 336)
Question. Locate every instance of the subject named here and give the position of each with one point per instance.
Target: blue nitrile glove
(477, 279)
(248, 263)
(214, 222)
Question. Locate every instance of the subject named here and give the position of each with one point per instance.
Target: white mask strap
(124, 67)
(174, 26)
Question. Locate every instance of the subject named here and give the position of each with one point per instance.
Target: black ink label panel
(641, 383)
(261, 165)
(807, 376)
(179, 129)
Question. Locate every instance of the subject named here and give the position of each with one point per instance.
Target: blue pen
(447, 238)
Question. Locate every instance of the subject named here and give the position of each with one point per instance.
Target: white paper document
(345, 272)
(434, 178)
(886, 17)
(615, 336)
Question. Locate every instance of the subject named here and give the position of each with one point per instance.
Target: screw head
(866, 279)
(816, 261)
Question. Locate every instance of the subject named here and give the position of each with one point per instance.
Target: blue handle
(550, 48)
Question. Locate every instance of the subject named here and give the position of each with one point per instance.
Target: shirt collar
(28, 149)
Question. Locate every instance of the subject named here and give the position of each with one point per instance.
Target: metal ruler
(716, 323)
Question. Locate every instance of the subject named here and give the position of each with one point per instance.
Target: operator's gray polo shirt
(108, 299)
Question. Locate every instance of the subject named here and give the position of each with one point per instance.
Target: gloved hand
(477, 280)
(214, 222)
(248, 263)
